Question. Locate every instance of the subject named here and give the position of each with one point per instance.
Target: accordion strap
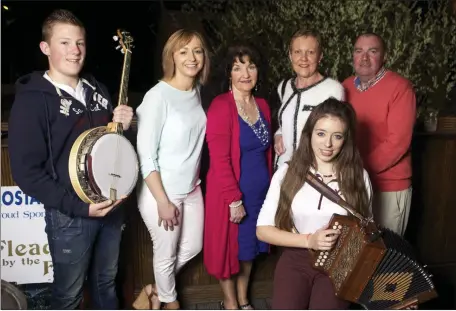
(331, 195)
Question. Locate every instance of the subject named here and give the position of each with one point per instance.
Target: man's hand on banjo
(103, 208)
(123, 114)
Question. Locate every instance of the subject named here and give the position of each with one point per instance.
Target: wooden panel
(195, 294)
(431, 224)
(433, 203)
(7, 178)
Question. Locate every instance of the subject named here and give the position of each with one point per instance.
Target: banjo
(103, 164)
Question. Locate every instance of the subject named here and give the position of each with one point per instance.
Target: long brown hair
(348, 163)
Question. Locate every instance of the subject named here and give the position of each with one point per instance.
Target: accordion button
(325, 256)
(334, 227)
(336, 223)
(316, 264)
(340, 227)
(318, 260)
(321, 264)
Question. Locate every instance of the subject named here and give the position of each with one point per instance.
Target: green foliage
(421, 41)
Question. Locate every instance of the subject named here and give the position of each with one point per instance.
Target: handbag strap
(331, 195)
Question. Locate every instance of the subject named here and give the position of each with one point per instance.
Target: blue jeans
(84, 248)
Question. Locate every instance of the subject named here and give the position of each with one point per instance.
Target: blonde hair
(304, 32)
(176, 41)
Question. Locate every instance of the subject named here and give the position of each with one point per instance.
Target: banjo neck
(125, 41)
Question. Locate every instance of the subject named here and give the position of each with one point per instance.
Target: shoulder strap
(331, 195)
(282, 91)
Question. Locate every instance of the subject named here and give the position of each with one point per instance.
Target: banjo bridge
(113, 194)
(112, 191)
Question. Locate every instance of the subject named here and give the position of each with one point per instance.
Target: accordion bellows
(375, 271)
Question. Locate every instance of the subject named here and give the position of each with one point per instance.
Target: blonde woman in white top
(302, 93)
(171, 130)
(327, 148)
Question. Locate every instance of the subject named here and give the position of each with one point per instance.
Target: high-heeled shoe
(145, 299)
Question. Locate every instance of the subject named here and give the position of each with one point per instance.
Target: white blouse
(309, 214)
(171, 130)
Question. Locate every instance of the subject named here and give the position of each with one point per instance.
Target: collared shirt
(371, 82)
(78, 93)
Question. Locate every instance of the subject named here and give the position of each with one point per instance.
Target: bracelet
(236, 203)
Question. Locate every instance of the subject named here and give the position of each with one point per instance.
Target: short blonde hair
(304, 32)
(176, 41)
(58, 17)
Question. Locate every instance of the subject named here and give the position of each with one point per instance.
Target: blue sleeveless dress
(254, 185)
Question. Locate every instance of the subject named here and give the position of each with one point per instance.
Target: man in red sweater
(385, 106)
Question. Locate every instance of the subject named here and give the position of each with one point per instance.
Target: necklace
(261, 132)
(333, 174)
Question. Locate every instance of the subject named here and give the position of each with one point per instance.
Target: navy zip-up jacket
(42, 128)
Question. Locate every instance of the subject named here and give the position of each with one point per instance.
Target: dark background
(21, 35)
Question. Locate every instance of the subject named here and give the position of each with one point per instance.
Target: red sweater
(386, 114)
(220, 249)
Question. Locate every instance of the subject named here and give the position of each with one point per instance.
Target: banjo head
(112, 165)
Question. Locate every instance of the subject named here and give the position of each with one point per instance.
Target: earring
(256, 87)
(229, 85)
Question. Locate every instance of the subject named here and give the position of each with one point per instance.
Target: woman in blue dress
(239, 141)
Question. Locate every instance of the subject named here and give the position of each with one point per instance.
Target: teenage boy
(51, 109)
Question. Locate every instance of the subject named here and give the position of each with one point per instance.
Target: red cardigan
(222, 184)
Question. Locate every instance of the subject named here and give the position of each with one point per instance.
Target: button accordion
(369, 265)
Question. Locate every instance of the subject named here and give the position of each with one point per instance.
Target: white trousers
(392, 209)
(173, 249)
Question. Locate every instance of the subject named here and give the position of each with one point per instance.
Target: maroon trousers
(298, 286)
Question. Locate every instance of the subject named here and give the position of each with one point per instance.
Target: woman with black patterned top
(300, 94)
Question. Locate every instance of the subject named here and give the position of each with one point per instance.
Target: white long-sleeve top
(296, 107)
(309, 214)
(171, 130)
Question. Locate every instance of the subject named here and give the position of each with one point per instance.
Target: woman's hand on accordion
(323, 239)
